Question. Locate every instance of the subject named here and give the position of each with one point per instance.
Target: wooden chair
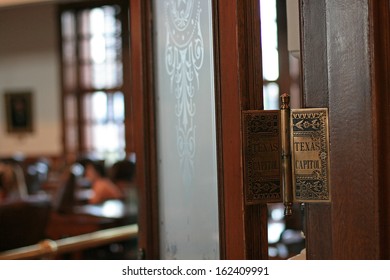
(12, 181)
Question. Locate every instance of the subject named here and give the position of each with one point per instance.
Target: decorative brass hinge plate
(310, 155)
(286, 156)
(262, 156)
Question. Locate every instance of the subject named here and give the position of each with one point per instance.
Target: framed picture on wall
(19, 115)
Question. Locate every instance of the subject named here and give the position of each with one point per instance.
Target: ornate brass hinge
(286, 155)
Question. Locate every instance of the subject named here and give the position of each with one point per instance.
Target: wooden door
(345, 67)
(238, 86)
(345, 64)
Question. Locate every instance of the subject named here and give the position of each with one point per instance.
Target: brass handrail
(49, 248)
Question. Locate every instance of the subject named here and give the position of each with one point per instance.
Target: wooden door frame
(142, 104)
(238, 86)
(380, 61)
(346, 67)
(240, 79)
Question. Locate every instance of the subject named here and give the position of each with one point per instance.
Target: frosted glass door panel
(186, 132)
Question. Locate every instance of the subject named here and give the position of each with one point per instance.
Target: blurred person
(102, 187)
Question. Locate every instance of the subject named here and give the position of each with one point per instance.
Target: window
(93, 44)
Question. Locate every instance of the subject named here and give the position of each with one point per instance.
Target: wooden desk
(91, 218)
(66, 225)
(86, 219)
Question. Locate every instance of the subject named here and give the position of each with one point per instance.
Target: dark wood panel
(354, 212)
(318, 225)
(315, 93)
(314, 53)
(350, 228)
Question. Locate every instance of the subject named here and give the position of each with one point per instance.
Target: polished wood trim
(240, 76)
(379, 12)
(142, 93)
(218, 117)
(233, 224)
(71, 244)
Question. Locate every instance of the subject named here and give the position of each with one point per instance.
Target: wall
(29, 61)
